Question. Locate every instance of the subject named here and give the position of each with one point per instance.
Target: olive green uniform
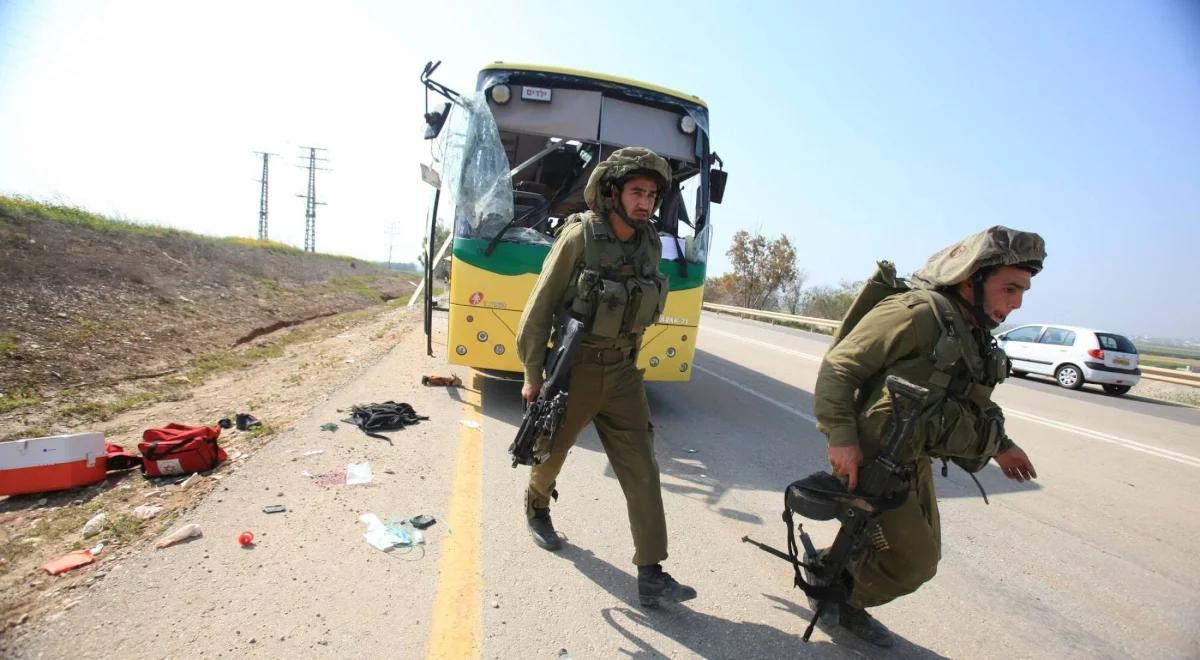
(606, 387)
(900, 336)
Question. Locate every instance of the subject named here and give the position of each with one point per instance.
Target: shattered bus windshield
(514, 172)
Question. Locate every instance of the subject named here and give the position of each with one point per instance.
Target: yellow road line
(457, 630)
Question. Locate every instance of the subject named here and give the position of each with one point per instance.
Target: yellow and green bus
(515, 157)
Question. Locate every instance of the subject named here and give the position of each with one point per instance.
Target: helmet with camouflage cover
(974, 258)
(619, 167)
(990, 248)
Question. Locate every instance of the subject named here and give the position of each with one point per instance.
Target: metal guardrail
(1153, 373)
(1171, 375)
(776, 316)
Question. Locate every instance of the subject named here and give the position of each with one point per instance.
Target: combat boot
(656, 586)
(542, 530)
(857, 622)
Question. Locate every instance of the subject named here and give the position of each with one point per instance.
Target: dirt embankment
(116, 328)
(100, 316)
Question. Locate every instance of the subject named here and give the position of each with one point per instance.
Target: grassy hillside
(92, 302)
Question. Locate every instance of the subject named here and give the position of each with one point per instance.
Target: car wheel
(1116, 390)
(1069, 377)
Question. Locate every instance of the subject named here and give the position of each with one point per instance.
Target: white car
(1072, 355)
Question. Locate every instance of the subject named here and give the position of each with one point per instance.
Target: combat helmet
(619, 167)
(975, 256)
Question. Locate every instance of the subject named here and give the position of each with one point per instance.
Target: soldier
(603, 270)
(936, 335)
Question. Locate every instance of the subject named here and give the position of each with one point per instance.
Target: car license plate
(1121, 361)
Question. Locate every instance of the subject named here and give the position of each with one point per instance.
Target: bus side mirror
(435, 120)
(716, 185)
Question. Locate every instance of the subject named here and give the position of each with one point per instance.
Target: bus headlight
(461, 350)
(686, 124)
(499, 349)
(671, 352)
(501, 94)
(654, 362)
(482, 336)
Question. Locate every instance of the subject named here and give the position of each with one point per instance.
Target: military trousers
(912, 546)
(613, 397)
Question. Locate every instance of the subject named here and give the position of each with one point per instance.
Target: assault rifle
(882, 485)
(543, 416)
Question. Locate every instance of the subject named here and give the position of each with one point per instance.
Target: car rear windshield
(1115, 343)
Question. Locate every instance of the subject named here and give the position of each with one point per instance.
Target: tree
(761, 267)
(828, 302)
(792, 293)
(721, 290)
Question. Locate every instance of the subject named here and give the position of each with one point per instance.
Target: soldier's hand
(1016, 465)
(845, 461)
(529, 392)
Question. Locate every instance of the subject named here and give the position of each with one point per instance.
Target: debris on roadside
(386, 416)
(93, 526)
(60, 462)
(329, 426)
(397, 533)
(471, 424)
(246, 539)
(382, 537)
(191, 481)
(274, 508)
(69, 562)
(358, 473)
(147, 511)
(313, 452)
(441, 381)
(177, 449)
(423, 521)
(246, 422)
(180, 534)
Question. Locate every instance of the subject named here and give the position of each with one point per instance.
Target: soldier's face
(639, 197)
(1004, 290)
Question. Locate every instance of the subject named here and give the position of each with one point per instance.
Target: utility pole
(391, 232)
(311, 203)
(262, 198)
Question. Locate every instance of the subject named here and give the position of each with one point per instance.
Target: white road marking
(764, 344)
(1183, 459)
(758, 394)
(1104, 437)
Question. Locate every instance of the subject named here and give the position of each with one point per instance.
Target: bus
(511, 162)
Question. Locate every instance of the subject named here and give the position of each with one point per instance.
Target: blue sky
(861, 130)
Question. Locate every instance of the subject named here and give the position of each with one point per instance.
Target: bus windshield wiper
(567, 188)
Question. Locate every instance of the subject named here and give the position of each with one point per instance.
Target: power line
(262, 198)
(311, 203)
(392, 229)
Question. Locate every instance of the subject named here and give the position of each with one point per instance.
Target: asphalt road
(1095, 559)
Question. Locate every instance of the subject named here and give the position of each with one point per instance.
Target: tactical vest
(959, 421)
(615, 295)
